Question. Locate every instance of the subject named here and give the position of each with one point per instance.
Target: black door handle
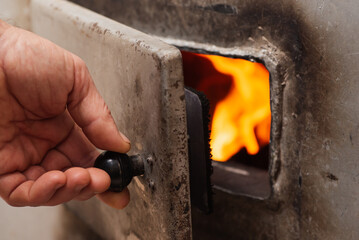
(121, 168)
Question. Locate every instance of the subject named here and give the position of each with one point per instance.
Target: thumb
(90, 112)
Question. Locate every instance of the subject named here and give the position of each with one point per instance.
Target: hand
(51, 119)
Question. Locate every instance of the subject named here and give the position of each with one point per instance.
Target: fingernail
(125, 138)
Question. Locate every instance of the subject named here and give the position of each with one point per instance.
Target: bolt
(151, 185)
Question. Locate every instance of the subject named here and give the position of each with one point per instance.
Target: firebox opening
(238, 92)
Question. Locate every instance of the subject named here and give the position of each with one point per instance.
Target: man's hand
(51, 117)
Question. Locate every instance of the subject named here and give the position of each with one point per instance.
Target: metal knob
(121, 168)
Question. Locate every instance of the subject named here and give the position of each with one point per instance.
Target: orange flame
(242, 118)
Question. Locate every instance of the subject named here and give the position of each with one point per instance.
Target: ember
(239, 94)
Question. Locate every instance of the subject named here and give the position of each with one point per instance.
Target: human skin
(51, 119)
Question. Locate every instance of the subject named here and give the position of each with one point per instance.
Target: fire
(243, 117)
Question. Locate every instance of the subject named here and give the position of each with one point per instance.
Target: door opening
(240, 119)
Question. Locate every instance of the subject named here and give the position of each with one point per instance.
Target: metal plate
(199, 152)
(140, 78)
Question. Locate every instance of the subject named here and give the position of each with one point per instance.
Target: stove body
(310, 49)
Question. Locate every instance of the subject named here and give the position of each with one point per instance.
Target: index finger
(91, 113)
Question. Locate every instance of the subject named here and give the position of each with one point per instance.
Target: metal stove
(310, 49)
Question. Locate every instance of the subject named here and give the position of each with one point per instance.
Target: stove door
(140, 79)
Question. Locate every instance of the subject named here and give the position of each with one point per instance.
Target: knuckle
(78, 176)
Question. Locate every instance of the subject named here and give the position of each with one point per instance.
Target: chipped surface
(140, 78)
(310, 47)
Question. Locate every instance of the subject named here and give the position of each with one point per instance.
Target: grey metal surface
(310, 48)
(239, 179)
(140, 79)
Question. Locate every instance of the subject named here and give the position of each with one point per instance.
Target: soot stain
(331, 177)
